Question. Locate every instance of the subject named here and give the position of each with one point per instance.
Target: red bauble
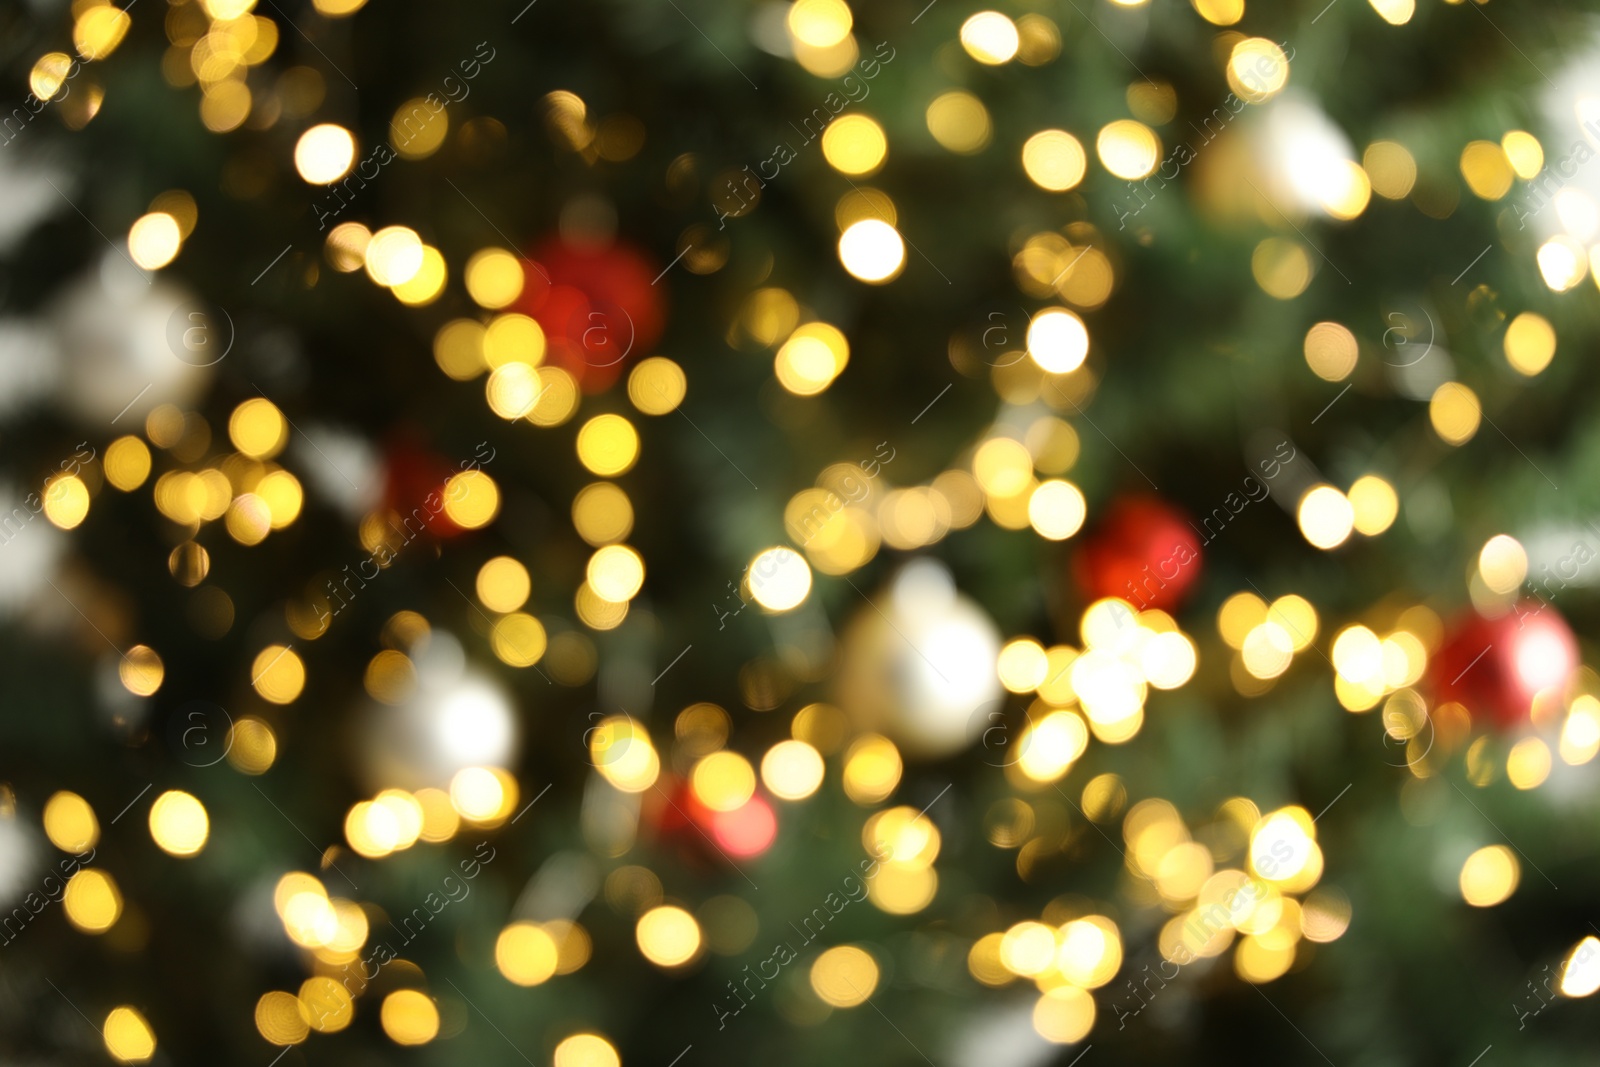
(679, 816)
(1142, 550)
(1495, 667)
(597, 306)
(414, 487)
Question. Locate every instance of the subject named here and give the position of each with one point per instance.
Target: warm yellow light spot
(482, 794)
(602, 513)
(1091, 948)
(657, 385)
(872, 250)
(791, 770)
(1455, 413)
(1528, 763)
(1052, 745)
(346, 246)
(324, 154)
(608, 445)
(1282, 845)
(1391, 169)
(526, 954)
(854, 144)
(1486, 169)
(417, 131)
(338, 8)
(1524, 153)
(409, 1017)
(503, 584)
(512, 390)
(1128, 149)
(69, 822)
(959, 122)
(813, 356)
(1220, 12)
(518, 639)
(494, 278)
(1028, 949)
(141, 671)
(1002, 466)
(258, 429)
(1530, 343)
(1580, 733)
(668, 936)
(1563, 262)
(252, 746)
(844, 976)
(779, 579)
(281, 1018)
(424, 287)
(153, 240)
(249, 520)
(872, 768)
(586, 1050)
(278, 674)
(471, 499)
(66, 501)
(1374, 504)
(99, 30)
(1503, 564)
(620, 749)
(596, 612)
(1056, 509)
(1281, 267)
(127, 463)
(1022, 665)
(1053, 160)
(1057, 340)
(127, 1035)
(1257, 69)
(990, 38)
(1064, 1014)
(1326, 517)
(1489, 876)
(1347, 190)
(820, 23)
(1268, 650)
(1168, 660)
(326, 1003)
(616, 573)
(49, 73)
(92, 901)
(179, 823)
(394, 256)
(1580, 973)
(513, 338)
(280, 491)
(1394, 12)
(723, 781)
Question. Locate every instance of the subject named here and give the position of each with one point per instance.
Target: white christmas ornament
(456, 718)
(920, 666)
(125, 344)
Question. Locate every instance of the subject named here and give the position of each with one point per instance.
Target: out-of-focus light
(990, 37)
(324, 154)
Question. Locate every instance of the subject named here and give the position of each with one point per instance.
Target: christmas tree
(685, 532)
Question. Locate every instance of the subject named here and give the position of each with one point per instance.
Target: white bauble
(456, 718)
(919, 665)
(124, 342)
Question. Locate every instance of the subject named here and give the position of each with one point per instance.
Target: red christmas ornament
(1144, 551)
(597, 306)
(414, 487)
(708, 834)
(1496, 667)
